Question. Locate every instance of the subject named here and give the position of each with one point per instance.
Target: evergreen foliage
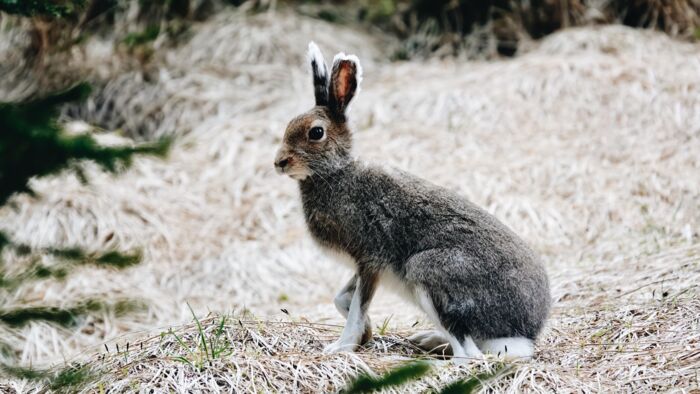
(33, 144)
(56, 8)
(400, 375)
(403, 374)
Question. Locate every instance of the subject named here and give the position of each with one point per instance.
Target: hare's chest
(326, 229)
(329, 218)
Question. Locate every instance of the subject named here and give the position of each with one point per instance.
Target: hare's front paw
(338, 346)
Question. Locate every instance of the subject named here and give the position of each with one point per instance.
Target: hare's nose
(282, 163)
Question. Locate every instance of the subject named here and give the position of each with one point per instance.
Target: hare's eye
(316, 134)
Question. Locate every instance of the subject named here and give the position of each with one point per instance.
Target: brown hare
(483, 288)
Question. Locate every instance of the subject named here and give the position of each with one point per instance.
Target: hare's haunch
(480, 284)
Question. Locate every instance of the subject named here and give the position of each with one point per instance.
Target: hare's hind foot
(433, 341)
(465, 351)
(509, 348)
(443, 344)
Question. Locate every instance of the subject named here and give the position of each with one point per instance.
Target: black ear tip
(319, 72)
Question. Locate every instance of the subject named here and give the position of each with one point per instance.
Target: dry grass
(619, 339)
(588, 145)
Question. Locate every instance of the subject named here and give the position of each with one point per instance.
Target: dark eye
(316, 133)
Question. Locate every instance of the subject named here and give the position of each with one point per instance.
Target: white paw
(431, 341)
(338, 347)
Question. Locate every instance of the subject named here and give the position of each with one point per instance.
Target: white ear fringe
(314, 54)
(358, 75)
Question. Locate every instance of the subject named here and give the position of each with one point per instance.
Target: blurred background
(136, 171)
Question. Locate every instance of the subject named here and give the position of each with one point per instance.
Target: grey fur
(483, 280)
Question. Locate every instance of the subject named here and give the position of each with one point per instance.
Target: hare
(481, 286)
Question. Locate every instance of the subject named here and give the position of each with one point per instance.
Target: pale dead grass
(588, 146)
(598, 340)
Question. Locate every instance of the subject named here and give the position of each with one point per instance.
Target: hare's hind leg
(508, 348)
(432, 272)
(463, 349)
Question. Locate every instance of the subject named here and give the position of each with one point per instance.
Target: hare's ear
(319, 70)
(346, 76)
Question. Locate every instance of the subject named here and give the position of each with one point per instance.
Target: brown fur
(300, 151)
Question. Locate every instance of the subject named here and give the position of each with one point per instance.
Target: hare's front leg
(342, 302)
(357, 325)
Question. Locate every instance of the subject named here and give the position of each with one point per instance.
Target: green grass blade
(181, 342)
(469, 385)
(201, 331)
(70, 378)
(184, 361)
(22, 372)
(217, 338)
(396, 377)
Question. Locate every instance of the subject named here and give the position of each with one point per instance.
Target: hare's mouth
(299, 176)
(295, 173)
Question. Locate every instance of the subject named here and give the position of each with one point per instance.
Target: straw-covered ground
(587, 144)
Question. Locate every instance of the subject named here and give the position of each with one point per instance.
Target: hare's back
(434, 217)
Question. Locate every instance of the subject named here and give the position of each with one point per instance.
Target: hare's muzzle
(288, 163)
(282, 161)
(281, 164)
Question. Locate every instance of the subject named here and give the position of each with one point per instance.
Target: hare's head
(319, 141)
